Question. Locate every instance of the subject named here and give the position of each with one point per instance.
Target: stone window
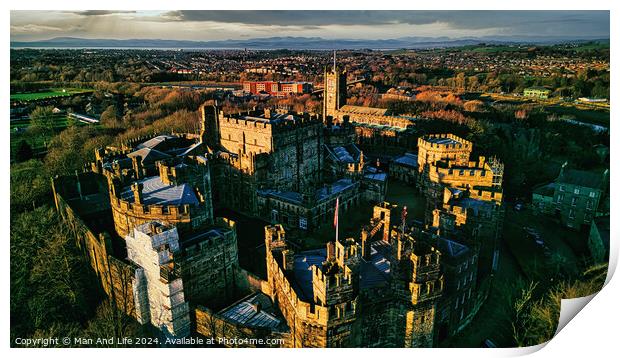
(571, 214)
(573, 201)
(593, 194)
(576, 190)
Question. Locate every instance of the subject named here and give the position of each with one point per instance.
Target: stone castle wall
(116, 277)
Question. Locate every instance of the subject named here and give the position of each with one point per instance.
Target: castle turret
(136, 188)
(136, 163)
(210, 129)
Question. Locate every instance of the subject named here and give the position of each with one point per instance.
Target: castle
(145, 216)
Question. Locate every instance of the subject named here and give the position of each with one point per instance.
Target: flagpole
(336, 217)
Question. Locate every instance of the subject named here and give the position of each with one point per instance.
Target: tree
(42, 120)
(535, 320)
(109, 117)
(51, 284)
(23, 151)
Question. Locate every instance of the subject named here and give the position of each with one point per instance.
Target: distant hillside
(297, 43)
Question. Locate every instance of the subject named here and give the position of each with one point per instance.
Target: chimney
(136, 188)
(267, 113)
(257, 307)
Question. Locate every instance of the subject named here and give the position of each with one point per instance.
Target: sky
(29, 25)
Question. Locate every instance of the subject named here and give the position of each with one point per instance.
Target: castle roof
(408, 160)
(154, 142)
(302, 272)
(321, 194)
(255, 310)
(441, 140)
(148, 155)
(345, 154)
(376, 271)
(451, 248)
(156, 192)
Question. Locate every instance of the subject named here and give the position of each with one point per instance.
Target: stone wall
(208, 267)
(116, 277)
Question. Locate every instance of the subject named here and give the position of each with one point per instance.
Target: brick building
(275, 88)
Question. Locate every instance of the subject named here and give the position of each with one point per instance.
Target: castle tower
(335, 91)
(418, 284)
(159, 292)
(336, 287)
(210, 126)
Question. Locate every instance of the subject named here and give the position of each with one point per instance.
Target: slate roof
(321, 194)
(581, 178)
(441, 140)
(148, 155)
(255, 310)
(451, 248)
(376, 272)
(302, 272)
(155, 192)
(408, 160)
(154, 142)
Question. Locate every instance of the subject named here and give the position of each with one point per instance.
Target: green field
(37, 142)
(53, 92)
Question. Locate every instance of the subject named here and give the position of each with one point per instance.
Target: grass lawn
(37, 142)
(54, 92)
(402, 194)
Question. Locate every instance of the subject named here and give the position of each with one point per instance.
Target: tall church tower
(334, 91)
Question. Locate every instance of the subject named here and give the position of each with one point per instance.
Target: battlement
(168, 211)
(444, 141)
(428, 291)
(280, 120)
(332, 283)
(425, 258)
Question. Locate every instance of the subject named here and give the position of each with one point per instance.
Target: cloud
(367, 24)
(100, 12)
(33, 28)
(478, 19)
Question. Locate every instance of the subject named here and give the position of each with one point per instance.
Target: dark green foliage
(23, 151)
(51, 284)
(536, 319)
